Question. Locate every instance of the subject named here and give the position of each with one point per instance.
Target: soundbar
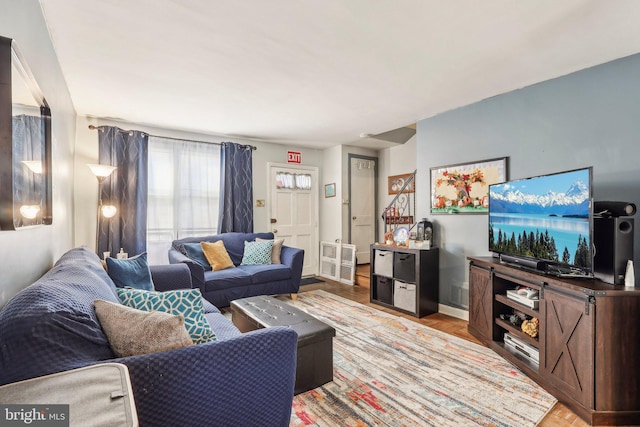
(614, 209)
(525, 262)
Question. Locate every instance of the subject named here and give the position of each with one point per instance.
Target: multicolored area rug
(391, 371)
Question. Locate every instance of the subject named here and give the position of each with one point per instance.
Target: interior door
(293, 202)
(362, 190)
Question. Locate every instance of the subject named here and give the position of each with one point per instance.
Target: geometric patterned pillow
(187, 302)
(257, 252)
(275, 251)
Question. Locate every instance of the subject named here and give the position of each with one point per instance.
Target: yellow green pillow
(217, 255)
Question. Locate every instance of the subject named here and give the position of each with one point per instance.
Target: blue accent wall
(588, 118)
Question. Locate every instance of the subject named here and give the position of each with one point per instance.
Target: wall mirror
(25, 144)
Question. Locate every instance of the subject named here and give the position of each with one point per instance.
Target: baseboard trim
(453, 312)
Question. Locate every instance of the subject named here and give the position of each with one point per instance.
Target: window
(293, 181)
(183, 188)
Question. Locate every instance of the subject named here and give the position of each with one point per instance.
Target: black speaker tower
(613, 242)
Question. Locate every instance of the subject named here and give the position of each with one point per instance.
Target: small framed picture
(330, 190)
(397, 182)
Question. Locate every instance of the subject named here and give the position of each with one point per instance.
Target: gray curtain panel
(236, 188)
(126, 188)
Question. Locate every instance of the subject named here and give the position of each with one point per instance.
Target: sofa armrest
(197, 271)
(294, 259)
(170, 277)
(214, 384)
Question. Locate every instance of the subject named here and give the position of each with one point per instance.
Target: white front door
(362, 182)
(293, 204)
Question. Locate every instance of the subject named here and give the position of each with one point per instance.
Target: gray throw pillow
(131, 331)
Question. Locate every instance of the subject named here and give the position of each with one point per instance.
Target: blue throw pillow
(187, 302)
(194, 251)
(257, 252)
(130, 272)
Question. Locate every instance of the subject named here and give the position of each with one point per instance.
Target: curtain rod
(92, 127)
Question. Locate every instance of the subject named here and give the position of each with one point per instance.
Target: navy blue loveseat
(223, 286)
(237, 380)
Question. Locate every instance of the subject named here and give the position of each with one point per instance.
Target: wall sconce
(108, 211)
(29, 211)
(34, 166)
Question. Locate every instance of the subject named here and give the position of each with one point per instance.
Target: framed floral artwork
(464, 188)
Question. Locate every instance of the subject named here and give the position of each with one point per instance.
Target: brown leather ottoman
(315, 338)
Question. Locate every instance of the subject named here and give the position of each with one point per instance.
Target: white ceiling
(320, 73)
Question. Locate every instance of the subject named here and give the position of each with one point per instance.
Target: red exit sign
(294, 157)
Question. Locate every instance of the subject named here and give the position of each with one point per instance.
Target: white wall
(396, 160)
(86, 185)
(27, 254)
(330, 207)
(587, 118)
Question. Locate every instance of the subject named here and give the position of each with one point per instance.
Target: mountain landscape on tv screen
(573, 202)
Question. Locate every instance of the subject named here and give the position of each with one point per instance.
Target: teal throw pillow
(130, 272)
(256, 253)
(194, 251)
(187, 302)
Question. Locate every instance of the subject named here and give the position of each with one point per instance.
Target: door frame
(315, 193)
(375, 193)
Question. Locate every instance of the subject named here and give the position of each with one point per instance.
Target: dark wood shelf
(588, 351)
(527, 366)
(516, 305)
(517, 332)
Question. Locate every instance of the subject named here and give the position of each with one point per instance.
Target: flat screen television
(544, 222)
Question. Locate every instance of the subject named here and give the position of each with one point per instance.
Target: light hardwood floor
(559, 415)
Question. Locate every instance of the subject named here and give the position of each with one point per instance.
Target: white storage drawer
(383, 263)
(404, 295)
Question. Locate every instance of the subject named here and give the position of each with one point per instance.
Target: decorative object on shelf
(388, 237)
(530, 327)
(122, 254)
(629, 276)
(514, 319)
(463, 188)
(330, 190)
(400, 236)
(396, 182)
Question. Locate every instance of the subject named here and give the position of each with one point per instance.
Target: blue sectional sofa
(237, 380)
(223, 286)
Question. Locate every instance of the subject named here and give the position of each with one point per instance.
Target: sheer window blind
(184, 183)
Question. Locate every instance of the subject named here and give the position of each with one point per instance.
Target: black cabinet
(405, 279)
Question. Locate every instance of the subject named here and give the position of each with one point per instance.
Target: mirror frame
(9, 54)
